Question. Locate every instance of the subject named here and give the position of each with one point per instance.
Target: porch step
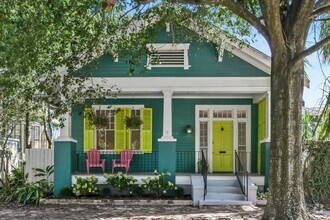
(224, 196)
(222, 183)
(224, 202)
(223, 189)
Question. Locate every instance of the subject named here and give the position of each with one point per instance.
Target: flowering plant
(85, 186)
(120, 181)
(159, 184)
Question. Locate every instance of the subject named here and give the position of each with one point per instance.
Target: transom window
(168, 55)
(241, 113)
(203, 113)
(222, 113)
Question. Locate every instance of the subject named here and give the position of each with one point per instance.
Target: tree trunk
(286, 181)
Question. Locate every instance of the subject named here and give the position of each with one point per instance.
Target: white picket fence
(38, 158)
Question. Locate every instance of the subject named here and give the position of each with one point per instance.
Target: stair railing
(204, 173)
(242, 176)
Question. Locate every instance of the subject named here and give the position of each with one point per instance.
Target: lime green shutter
(261, 128)
(120, 130)
(146, 143)
(88, 133)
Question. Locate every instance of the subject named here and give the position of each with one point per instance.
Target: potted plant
(100, 121)
(133, 122)
(199, 166)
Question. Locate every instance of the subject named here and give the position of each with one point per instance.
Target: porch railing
(141, 163)
(242, 175)
(147, 162)
(204, 173)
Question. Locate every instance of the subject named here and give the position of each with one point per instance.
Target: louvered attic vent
(168, 55)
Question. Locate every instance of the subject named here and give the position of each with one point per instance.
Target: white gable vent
(168, 55)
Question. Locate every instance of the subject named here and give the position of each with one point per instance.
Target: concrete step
(223, 189)
(220, 183)
(224, 196)
(224, 202)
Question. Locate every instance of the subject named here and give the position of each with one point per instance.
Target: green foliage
(121, 181)
(66, 192)
(159, 184)
(44, 173)
(317, 172)
(85, 186)
(105, 192)
(263, 195)
(178, 192)
(133, 122)
(199, 166)
(97, 119)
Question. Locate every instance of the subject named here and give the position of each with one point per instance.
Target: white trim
(233, 85)
(109, 107)
(235, 120)
(167, 139)
(268, 117)
(65, 139)
(180, 96)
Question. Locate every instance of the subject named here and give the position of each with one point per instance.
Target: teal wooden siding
(203, 58)
(183, 115)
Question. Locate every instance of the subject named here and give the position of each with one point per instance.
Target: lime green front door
(222, 146)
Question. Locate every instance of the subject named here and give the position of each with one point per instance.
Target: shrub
(120, 181)
(159, 184)
(105, 192)
(178, 192)
(137, 190)
(85, 186)
(65, 192)
(317, 172)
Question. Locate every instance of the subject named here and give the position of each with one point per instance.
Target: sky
(313, 95)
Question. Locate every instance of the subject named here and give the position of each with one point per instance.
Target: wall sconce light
(189, 129)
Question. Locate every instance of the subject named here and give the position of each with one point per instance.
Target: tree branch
(236, 8)
(321, 3)
(312, 49)
(321, 10)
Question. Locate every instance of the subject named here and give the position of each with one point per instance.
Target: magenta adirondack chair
(94, 160)
(125, 160)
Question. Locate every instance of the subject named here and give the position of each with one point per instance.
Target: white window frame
(169, 46)
(112, 107)
(235, 121)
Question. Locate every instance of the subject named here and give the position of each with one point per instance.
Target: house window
(242, 136)
(222, 113)
(135, 133)
(241, 113)
(105, 137)
(203, 137)
(115, 136)
(203, 113)
(168, 55)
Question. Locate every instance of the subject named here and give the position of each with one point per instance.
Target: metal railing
(204, 173)
(242, 175)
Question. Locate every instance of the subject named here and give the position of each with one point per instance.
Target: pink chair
(125, 160)
(94, 160)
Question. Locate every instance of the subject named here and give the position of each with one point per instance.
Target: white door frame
(210, 119)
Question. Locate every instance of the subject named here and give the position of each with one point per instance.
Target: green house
(194, 99)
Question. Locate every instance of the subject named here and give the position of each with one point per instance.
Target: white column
(65, 131)
(268, 119)
(167, 117)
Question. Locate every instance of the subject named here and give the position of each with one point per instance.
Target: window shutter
(146, 140)
(88, 133)
(120, 130)
(128, 131)
(261, 128)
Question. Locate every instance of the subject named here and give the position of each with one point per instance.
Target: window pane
(242, 136)
(203, 113)
(203, 134)
(135, 139)
(222, 114)
(241, 114)
(100, 138)
(110, 140)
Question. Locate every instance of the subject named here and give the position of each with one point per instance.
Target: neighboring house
(194, 99)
